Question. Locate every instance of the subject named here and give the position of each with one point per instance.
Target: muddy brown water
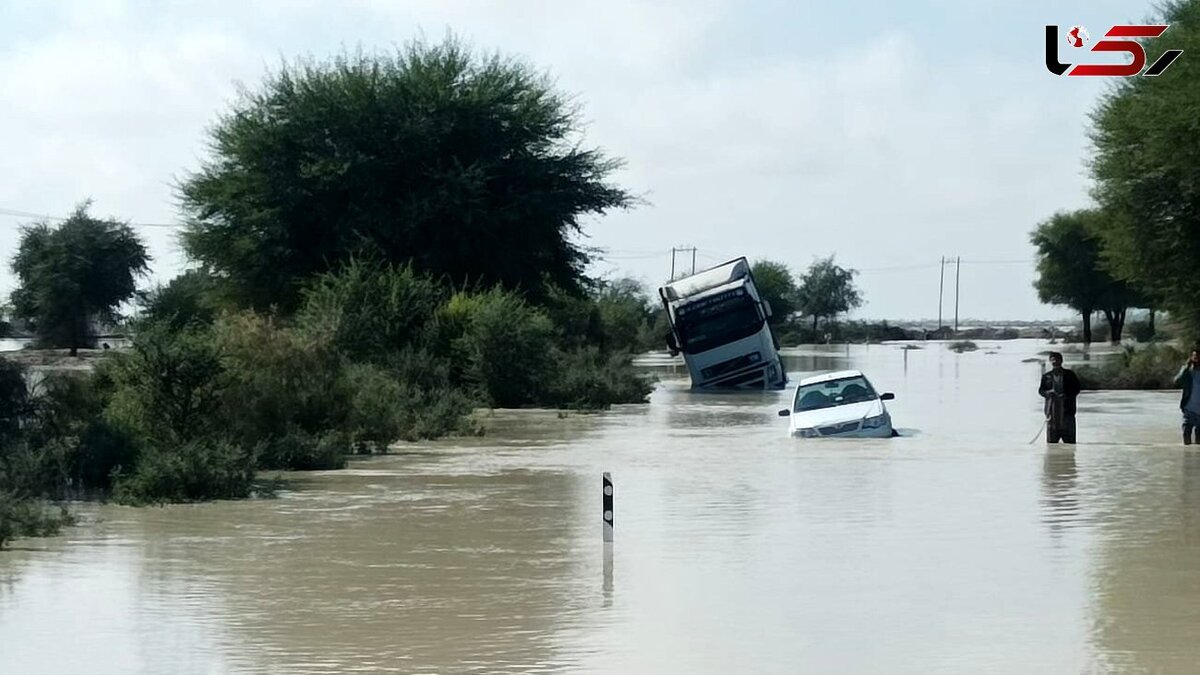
(958, 548)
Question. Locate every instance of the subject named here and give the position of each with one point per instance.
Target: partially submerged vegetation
(376, 354)
(382, 244)
(1151, 367)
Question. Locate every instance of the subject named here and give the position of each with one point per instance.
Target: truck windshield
(715, 321)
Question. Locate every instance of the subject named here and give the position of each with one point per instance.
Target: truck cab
(719, 324)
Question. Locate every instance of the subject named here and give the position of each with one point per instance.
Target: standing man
(1060, 388)
(1189, 379)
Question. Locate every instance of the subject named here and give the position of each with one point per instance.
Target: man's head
(1055, 360)
(1194, 358)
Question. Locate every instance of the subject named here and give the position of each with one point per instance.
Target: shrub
(167, 388)
(82, 447)
(1151, 367)
(193, 471)
(23, 517)
(587, 379)
(505, 349)
(387, 408)
(15, 404)
(282, 386)
(302, 451)
(190, 299)
(369, 310)
(962, 346)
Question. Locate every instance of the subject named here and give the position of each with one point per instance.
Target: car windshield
(834, 393)
(717, 321)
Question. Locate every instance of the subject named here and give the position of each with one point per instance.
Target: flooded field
(958, 548)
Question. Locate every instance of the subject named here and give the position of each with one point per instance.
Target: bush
(1141, 331)
(302, 451)
(369, 310)
(280, 383)
(623, 313)
(23, 517)
(962, 346)
(387, 408)
(193, 471)
(1151, 367)
(167, 388)
(15, 404)
(586, 379)
(190, 299)
(505, 348)
(82, 447)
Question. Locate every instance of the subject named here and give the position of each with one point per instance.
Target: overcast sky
(889, 134)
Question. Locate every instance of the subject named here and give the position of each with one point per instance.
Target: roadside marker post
(607, 513)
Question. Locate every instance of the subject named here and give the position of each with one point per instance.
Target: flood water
(960, 548)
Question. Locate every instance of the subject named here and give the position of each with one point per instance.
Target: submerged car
(841, 404)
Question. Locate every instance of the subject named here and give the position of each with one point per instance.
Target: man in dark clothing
(1189, 380)
(1060, 388)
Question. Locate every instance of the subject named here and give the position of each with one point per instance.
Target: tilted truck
(719, 324)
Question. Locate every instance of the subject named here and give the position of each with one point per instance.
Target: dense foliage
(467, 167)
(777, 286)
(1147, 170)
(74, 275)
(1072, 272)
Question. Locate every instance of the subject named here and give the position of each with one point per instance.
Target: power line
(1000, 262)
(15, 213)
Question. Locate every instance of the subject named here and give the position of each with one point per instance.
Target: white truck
(719, 323)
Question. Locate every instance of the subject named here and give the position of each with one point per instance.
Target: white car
(841, 404)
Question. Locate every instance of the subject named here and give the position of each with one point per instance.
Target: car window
(844, 391)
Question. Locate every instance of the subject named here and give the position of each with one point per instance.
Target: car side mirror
(888, 397)
(672, 344)
(785, 412)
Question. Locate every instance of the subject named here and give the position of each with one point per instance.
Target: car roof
(836, 375)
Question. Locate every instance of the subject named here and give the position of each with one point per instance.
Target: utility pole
(682, 249)
(941, 288)
(957, 274)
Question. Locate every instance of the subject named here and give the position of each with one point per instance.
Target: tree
(1147, 171)
(467, 167)
(75, 274)
(776, 285)
(1072, 272)
(190, 298)
(624, 311)
(827, 290)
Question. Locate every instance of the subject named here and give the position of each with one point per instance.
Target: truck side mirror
(672, 344)
(767, 308)
(888, 397)
(785, 412)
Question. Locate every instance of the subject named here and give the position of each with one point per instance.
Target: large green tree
(1147, 170)
(468, 167)
(777, 286)
(827, 290)
(75, 274)
(1073, 272)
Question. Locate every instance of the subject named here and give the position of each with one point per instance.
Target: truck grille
(719, 369)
